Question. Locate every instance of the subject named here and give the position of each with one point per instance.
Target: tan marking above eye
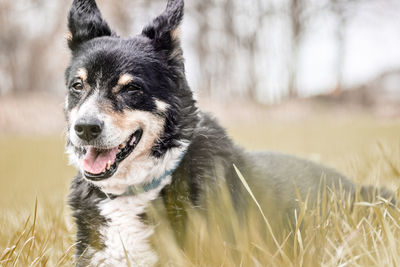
(124, 79)
(82, 74)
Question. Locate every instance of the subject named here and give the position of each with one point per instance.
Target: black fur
(83, 201)
(85, 22)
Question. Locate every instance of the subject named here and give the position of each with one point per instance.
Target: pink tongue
(95, 162)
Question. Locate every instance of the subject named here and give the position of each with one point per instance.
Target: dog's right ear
(85, 22)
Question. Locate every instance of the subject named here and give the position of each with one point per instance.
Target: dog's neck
(143, 188)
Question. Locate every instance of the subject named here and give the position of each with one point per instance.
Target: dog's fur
(139, 83)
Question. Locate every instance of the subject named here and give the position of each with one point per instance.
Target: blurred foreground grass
(33, 168)
(365, 149)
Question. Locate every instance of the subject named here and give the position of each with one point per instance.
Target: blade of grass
(247, 187)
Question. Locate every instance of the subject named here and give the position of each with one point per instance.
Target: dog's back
(279, 182)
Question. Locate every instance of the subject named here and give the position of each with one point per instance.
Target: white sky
(373, 46)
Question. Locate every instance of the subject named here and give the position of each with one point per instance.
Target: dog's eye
(77, 87)
(132, 89)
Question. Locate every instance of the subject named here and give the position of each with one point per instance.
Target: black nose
(88, 129)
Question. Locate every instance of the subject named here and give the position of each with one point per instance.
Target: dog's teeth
(133, 140)
(122, 146)
(108, 165)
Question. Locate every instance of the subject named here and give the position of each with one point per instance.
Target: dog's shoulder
(209, 159)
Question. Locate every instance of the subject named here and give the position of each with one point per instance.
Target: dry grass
(332, 234)
(40, 233)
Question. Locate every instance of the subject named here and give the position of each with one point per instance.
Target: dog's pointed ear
(85, 22)
(163, 30)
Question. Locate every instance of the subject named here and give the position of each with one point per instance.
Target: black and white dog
(135, 134)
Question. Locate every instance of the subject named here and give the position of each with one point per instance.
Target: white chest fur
(125, 236)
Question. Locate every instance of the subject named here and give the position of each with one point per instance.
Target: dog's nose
(88, 129)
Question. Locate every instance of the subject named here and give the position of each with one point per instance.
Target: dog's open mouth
(99, 164)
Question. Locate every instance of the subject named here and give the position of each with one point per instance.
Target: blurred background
(315, 78)
(261, 51)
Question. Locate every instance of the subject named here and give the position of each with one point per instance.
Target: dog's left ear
(163, 31)
(85, 22)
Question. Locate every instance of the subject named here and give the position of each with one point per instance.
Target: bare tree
(9, 45)
(338, 8)
(26, 56)
(343, 10)
(250, 40)
(200, 13)
(297, 27)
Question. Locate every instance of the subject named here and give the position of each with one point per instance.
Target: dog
(135, 134)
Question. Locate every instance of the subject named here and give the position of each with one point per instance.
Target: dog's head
(128, 98)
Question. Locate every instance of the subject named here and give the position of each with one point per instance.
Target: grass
(36, 227)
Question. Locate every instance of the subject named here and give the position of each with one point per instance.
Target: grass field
(36, 228)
